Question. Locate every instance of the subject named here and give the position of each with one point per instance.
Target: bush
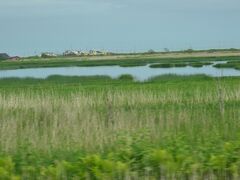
(161, 65)
(127, 77)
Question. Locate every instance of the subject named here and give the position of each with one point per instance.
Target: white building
(73, 53)
(48, 55)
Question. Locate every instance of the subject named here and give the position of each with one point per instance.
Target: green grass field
(171, 127)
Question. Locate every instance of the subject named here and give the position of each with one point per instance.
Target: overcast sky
(28, 27)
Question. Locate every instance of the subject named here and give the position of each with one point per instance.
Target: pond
(140, 73)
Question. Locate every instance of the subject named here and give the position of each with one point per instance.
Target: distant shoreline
(125, 60)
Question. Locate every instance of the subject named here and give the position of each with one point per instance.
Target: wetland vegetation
(96, 127)
(128, 61)
(229, 64)
(174, 127)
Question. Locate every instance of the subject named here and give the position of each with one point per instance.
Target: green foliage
(199, 64)
(7, 169)
(166, 65)
(134, 154)
(230, 64)
(180, 65)
(126, 77)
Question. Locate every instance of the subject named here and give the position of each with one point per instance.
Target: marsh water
(140, 73)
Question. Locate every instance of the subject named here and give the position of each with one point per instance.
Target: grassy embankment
(192, 63)
(171, 127)
(229, 64)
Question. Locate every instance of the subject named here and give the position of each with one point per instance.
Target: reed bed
(99, 121)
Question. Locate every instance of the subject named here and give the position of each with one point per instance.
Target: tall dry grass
(47, 121)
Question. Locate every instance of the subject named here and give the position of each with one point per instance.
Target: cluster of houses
(71, 53)
(5, 56)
